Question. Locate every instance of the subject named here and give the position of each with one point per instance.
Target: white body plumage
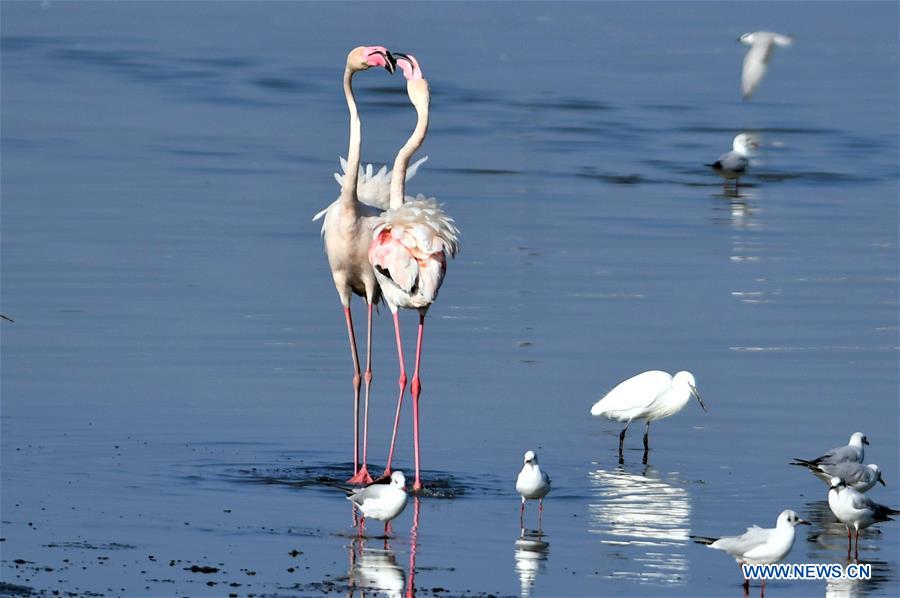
(762, 546)
(756, 60)
(532, 483)
(383, 502)
(854, 509)
(651, 395)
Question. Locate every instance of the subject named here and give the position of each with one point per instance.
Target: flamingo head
(365, 57)
(410, 66)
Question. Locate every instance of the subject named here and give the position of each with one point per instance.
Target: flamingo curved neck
(348, 187)
(401, 162)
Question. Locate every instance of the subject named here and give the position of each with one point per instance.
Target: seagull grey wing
(753, 537)
(545, 477)
(755, 64)
(851, 472)
(840, 454)
(733, 162)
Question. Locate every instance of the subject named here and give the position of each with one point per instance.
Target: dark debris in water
(89, 546)
(437, 484)
(11, 589)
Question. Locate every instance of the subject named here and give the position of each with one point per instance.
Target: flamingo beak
(390, 63)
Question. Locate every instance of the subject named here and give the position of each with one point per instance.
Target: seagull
(757, 59)
(650, 396)
(381, 501)
(853, 508)
(861, 478)
(733, 165)
(532, 484)
(759, 546)
(854, 451)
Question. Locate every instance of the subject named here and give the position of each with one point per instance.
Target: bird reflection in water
(531, 553)
(413, 543)
(645, 516)
(882, 573)
(374, 570)
(828, 544)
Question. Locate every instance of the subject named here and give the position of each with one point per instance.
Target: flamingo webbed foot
(362, 477)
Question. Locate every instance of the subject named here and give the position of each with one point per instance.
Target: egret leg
(356, 385)
(362, 475)
(622, 441)
(416, 388)
(401, 382)
(646, 441)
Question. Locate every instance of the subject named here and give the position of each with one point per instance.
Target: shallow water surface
(176, 398)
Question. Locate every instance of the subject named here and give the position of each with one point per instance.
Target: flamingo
(408, 253)
(347, 232)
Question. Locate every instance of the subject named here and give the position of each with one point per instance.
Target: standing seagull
(733, 165)
(381, 501)
(855, 509)
(757, 59)
(532, 484)
(861, 478)
(410, 245)
(854, 451)
(759, 546)
(347, 231)
(650, 396)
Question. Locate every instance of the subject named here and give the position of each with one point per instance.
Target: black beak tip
(882, 482)
(390, 63)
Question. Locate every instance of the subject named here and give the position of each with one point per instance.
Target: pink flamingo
(347, 231)
(409, 249)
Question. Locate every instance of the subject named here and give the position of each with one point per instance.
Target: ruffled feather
(421, 226)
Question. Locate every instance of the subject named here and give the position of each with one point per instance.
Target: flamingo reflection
(413, 543)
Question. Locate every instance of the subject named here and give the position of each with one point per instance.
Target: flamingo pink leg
(362, 474)
(401, 382)
(356, 385)
(416, 388)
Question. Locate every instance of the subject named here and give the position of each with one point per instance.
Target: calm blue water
(177, 374)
